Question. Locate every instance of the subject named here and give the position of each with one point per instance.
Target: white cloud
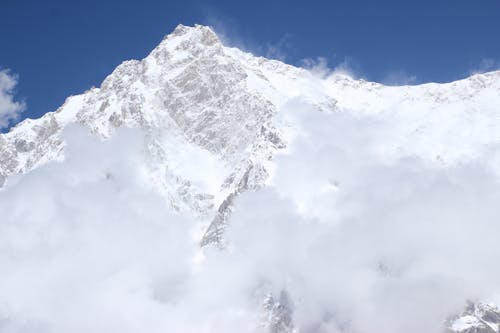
(340, 210)
(348, 67)
(319, 66)
(88, 246)
(279, 50)
(9, 108)
(486, 65)
(399, 78)
(230, 35)
(361, 240)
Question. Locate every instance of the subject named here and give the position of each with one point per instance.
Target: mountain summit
(218, 123)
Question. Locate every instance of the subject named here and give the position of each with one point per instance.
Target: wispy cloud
(9, 108)
(225, 29)
(280, 49)
(349, 66)
(320, 66)
(399, 78)
(317, 65)
(486, 65)
(230, 33)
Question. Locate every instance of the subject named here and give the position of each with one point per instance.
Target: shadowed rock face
(23, 146)
(252, 179)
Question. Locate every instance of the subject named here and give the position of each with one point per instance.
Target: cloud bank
(9, 108)
(358, 240)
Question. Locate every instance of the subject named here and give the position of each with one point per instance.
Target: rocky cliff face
(194, 95)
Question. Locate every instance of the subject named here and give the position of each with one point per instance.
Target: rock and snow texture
(476, 318)
(195, 100)
(403, 178)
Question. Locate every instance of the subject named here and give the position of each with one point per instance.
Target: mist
(361, 234)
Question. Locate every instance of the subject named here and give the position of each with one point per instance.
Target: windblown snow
(204, 189)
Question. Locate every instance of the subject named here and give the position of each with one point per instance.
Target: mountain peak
(197, 33)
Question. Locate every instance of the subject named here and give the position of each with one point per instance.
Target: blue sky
(56, 48)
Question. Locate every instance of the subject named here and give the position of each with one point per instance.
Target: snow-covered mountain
(219, 122)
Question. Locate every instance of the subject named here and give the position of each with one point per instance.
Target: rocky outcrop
(478, 317)
(278, 313)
